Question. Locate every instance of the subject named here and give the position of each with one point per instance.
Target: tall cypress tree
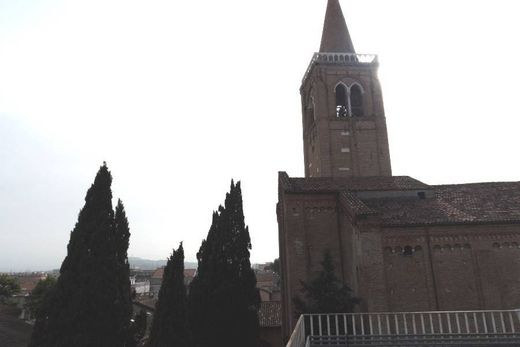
(199, 302)
(85, 309)
(170, 324)
(326, 293)
(123, 306)
(223, 299)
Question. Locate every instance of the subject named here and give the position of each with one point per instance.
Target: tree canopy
(274, 266)
(326, 293)
(90, 305)
(170, 323)
(8, 286)
(37, 302)
(223, 300)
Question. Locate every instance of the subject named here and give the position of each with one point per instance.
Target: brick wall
(308, 228)
(458, 267)
(352, 146)
(416, 268)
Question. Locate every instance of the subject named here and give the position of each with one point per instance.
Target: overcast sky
(181, 96)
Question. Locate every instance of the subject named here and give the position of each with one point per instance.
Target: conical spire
(335, 37)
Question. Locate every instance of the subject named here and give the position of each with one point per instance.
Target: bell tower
(344, 125)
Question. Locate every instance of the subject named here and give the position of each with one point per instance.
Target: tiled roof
(393, 201)
(269, 314)
(374, 183)
(264, 276)
(190, 273)
(354, 203)
(462, 203)
(27, 283)
(158, 273)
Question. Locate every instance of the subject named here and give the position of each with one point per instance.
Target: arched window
(408, 250)
(341, 101)
(356, 101)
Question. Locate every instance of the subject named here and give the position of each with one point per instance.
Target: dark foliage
(223, 300)
(38, 303)
(90, 303)
(8, 286)
(170, 323)
(138, 329)
(274, 266)
(123, 308)
(140, 321)
(326, 293)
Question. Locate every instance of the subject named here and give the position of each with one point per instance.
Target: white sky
(181, 96)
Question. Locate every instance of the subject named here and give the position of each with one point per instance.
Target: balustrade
(408, 328)
(340, 58)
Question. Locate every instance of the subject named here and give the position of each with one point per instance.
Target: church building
(400, 244)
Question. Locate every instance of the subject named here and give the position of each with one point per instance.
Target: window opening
(356, 101)
(341, 101)
(408, 250)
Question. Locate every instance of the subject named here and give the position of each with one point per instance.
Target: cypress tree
(37, 303)
(170, 324)
(201, 287)
(223, 299)
(86, 306)
(123, 307)
(325, 293)
(139, 326)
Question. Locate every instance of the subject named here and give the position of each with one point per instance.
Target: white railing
(340, 58)
(421, 328)
(298, 335)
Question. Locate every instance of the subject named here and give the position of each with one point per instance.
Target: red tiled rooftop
(159, 273)
(27, 283)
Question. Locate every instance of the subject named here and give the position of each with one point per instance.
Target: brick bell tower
(344, 126)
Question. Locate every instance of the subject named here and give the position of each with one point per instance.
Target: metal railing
(340, 58)
(500, 327)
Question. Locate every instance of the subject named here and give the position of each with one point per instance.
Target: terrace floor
(13, 331)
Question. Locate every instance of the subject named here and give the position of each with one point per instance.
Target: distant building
(156, 281)
(27, 281)
(260, 267)
(140, 288)
(157, 276)
(268, 284)
(141, 275)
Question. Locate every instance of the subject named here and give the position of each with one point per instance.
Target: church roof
(393, 201)
(335, 36)
(494, 202)
(378, 183)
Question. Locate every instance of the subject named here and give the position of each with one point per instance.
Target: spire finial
(335, 37)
